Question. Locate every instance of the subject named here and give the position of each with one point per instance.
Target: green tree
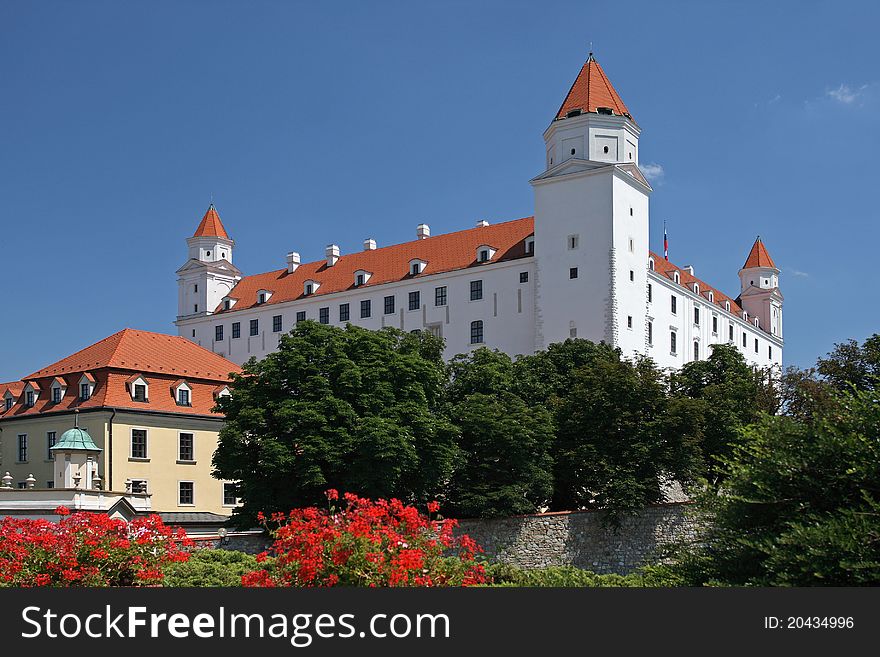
(504, 465)
(852, 365)
(617, 442)
(351, 409)
(728, 394)
(800, 504)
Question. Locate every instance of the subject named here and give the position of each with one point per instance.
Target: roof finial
(590, 58)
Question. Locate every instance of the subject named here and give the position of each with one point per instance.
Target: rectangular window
(714, 324)
(730, 332)
(22, 447)
(186, 496)
(262, 298)
(365, 308)
(629, 321)
(140, 392)
(573, 272)
(440, 296)
(9, 402)
(138, 443)
(745, 339)
(300, 316)
(484, 255)
(324, 315)
(255, 327)
(414, 300)
(183, 397)
(477, 332)
(674, 306)
(770, 351)
(696, 315)
(218, 333)
(50, 443)
(696, 351)
(673, 347)
(359, 280)
(389, 305)
(632, 275)
(56, 395)
(236, 330)
(756, 345)
(476, 290)
(524, 277)
(573, 241)
(276, 324)
(650, 333)
(85, 392)
(186, 451)
(650, 293)
(343, 312)
(229, 495)
(139, 486)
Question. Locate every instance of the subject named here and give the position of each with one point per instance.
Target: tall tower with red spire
(759, 289)
(208, 274)
(591, 221)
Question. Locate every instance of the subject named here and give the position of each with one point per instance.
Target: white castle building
(581, 267)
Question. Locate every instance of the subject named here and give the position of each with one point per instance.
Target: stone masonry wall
(578, 538)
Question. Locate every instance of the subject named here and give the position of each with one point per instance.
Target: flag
(665, 243)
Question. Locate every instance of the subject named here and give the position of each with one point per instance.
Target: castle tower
(208, 275)
(759, 289)
(591, 221)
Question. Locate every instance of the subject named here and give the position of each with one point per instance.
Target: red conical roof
(758, 256)
(590, 91)
(211, 226)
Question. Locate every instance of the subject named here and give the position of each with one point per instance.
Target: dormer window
(31, 394)
(727, 306)
(310, 287)
(9, 401)
(676, 277)
(361, 276)
(696, 289)
(651, 264)
(57, 389)
(182, 393)
(417, 266)
(263, 296)
(86, 386)
(530, 245)
(228, 303)
(711, 296)
(485, 253)
(138, 388)
(222, 391)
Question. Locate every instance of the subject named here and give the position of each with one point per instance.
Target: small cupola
(369, 244)
(423, 231)
(485, 253)
(332, 253)
(310, 287)
(361, 276)
(76, 459)
(417, 266)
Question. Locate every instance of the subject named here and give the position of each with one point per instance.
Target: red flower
(62, 511)
(332, 494)
(433, 507)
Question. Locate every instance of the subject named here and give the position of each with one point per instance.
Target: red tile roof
(758, 256)
(443, 253)
(160, 359)
(211, 226)
(663, 266)
(590, 91)
(143, 351)
(15, 387)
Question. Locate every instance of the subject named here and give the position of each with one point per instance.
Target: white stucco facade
(588, 273)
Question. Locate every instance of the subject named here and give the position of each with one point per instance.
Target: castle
(580, 267)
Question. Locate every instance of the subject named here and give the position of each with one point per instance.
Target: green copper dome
(76, 438)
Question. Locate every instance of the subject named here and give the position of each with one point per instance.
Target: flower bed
(366, 543)
(87, 549)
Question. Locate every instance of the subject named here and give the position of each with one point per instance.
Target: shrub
(211, 568)
(366, 543)
(571, 577)
(87, 549)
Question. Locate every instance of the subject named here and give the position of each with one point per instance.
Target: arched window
(696, 289)
(651, 264)
(676, 277)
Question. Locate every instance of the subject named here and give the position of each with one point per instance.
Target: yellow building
(147, 401)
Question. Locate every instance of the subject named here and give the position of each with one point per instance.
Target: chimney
(689, 269)
(423, 231)
(292, 261)
(482, 223)
(332, 252)
(369, 244)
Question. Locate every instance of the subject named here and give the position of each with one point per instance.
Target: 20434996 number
(819, 622)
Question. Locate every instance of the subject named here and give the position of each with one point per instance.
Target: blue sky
(315, 123)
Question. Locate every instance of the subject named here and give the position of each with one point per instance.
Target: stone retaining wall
(578, 538)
